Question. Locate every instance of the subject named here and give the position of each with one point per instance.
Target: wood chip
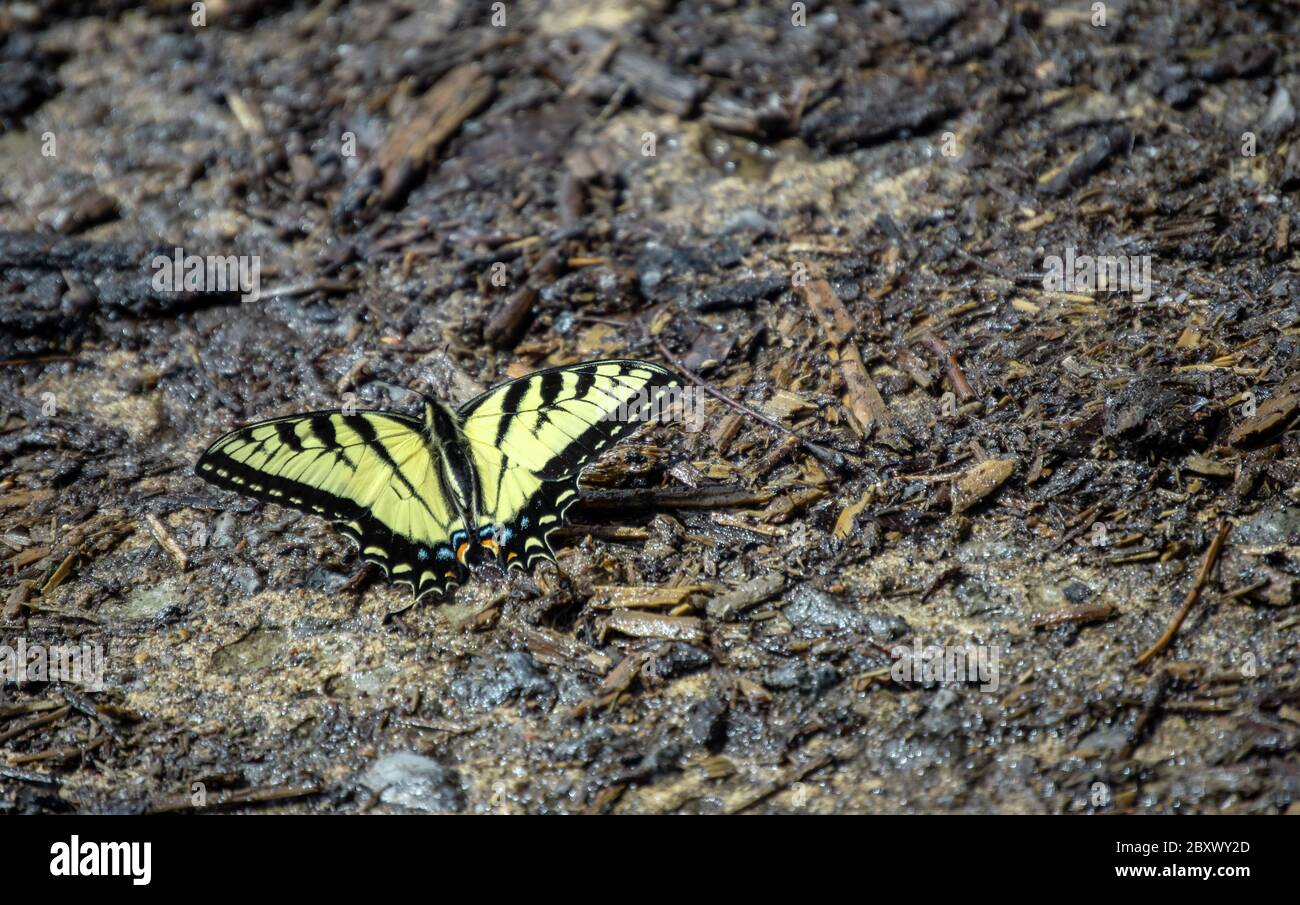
(640, 597)
(657, 83)
(725, 432)
(751, 593)
(787, 405)
(16, 600)
(1211, 468)
(166, 541)
(1270, 417)
(21, 498)
(865, 404)
(413, 145)
(1098, 612)
(786, 505)
(552, 647)
(29, 556)
(980, 481)
(848, 515)
(653, 625)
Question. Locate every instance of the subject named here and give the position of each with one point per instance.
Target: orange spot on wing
(511, 555)
(461, 551)
(492, 545)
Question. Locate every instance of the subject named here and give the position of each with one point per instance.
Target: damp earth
(993, 544)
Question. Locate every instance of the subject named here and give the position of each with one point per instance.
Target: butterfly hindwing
(531, 437)
(371, 473)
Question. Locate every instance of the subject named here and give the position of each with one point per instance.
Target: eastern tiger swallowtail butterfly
(421, 496)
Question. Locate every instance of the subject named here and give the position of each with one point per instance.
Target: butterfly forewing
(372, 473)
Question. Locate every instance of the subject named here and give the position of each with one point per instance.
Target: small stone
(818, 611)
(223, 531)
(1280, 115)
(1077, 592)
(411, 780)
(246, 579)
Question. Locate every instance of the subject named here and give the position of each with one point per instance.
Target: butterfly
(424, 497)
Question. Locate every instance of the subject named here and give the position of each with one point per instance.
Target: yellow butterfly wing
(371, 473)
(529, 439)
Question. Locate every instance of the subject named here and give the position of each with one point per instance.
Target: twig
(1090, 516)
(8, 711)
(865, 404)
(724, 497)
(593, 68)
(950, 574)
(828, 456)
(1023, 278)
(1207, 566)
(792, 775)
(1247, 590)
(58, 754)
(60, 573)
(956, 376)
(86, 707)
(601, 532)
(36, 779)
(166, 541)
(184, 801)
(1098, 612)
(35, 723)
(413, 145)
(512, 319)
(292, 290)
(38, 360)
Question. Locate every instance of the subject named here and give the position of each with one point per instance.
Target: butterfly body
(424, 497)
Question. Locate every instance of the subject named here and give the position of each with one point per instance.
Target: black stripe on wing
(576, 450)
(601, 435)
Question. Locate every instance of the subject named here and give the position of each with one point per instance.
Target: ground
(858, 221)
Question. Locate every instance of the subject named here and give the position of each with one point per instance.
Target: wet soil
(843, 221)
